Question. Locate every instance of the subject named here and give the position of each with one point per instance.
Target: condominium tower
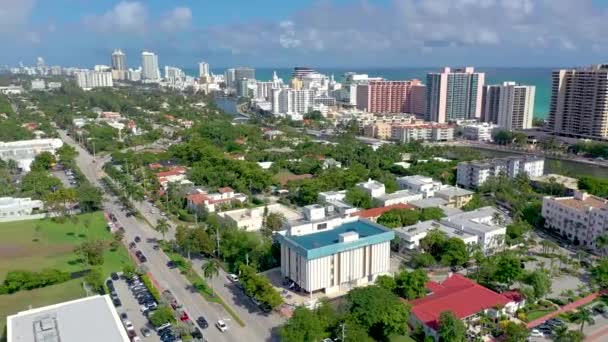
(244, 72)
(509, 105)
(119, 60)
(149, 65)
(203, 69)
(454, 94)
(392, 97)
(579, 102)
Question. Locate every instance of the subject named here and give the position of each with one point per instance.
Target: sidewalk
(566, 308)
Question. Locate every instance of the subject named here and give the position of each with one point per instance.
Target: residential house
(211, 201)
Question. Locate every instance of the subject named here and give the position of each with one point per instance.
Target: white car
(536, 333)
(233, 277)
(221, 325)
(136, 339)
(128, 325)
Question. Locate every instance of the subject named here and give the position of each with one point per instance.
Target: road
(166, 278)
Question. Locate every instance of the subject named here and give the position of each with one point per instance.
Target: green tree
(386, 282)
(455, 252)
(378, 310)
(584, 316)
(540, 282)
(562, 334)
(599, 274)
(353, 332)
(91, 251)
(411, 285)
(422, 260)
(163, 314)
(67, 153)
(274, 221)
(128, 271)
(431, 214)
(303, 326)
(516, 332)
(89, 197)
(162, 226)
(211, 269)
(451, 328)
(516, 230)
(359, 198)
(95, 279)
(508, 269)
(601, 242)
(43, 161)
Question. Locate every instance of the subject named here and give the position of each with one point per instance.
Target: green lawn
(38, 244)
(401, 338)
(20, 301)
(34, 245)
(534, 314)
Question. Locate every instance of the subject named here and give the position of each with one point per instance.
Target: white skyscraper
(203, 69)
(149, 64)
(89, 79)
(509, 105)
(173, 74)
(119, 60)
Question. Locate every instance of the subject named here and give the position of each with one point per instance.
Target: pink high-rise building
(392, 97)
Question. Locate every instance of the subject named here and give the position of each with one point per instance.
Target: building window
(322, 226)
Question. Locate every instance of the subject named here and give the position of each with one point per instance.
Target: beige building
(252, 219)
(579, 102)
(456, 197)
(581, 218)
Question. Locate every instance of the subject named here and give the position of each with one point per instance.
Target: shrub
(153, 290)
(557, 301)
(26, 280)
(161, 316)
(522, 316)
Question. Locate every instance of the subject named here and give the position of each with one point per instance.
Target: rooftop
(453, 191)
(429, 202)
(371, 184)
(398, 194)
(425, 226)
(91, 319)
(417, 179)
(480, 220)
(583, 201)
(462, 296)
(375, 212)
(327, 242)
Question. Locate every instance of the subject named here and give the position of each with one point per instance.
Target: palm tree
(211, 269)
(602, 242)
(162, 226)
(584, 315)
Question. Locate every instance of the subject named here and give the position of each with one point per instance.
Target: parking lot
(130, 306)
(66, 177)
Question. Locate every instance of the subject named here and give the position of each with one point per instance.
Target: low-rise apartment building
(581, 218)
(422, 132)
(473, 174)
(252, 219)
(479, 131)
(25, 151)
(425, 185)
(18, 208)
(200, 199)
(332, 253)
(378, 193)
(456, 197)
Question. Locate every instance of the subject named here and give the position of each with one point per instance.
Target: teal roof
(324, 243)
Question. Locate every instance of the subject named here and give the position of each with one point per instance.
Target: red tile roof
(225, 190)
(376, 212)
(174, 171)
(458, 294)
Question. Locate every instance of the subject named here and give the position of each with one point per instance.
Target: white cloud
(14, 14)
(125, 17)
(179, 19)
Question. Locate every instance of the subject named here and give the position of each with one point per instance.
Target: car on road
(171, 264)
(163, 327)
(202, 322)
(128, 325)
(137, 239)
(114, 276)
(196, 333)
(536, 333)
(117, 303)
(233, 277)
(132, 245)
(145, 332)
(184, 317)
(124, 316)
(221, 325)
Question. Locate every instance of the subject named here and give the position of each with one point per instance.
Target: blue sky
(321, 33)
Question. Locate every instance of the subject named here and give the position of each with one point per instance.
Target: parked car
(171, 264)
(221, 325)
(196, 333)
(128, 325)
(163, 327)
(132, 245)
(233, 277)
(117, 303)
(184, 317)
(137, 239)
(145, 332)
(202, 322)
(123, 316)
(536, 333)
(114, 276)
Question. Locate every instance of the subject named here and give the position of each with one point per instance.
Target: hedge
(27, 280)
(153, 290)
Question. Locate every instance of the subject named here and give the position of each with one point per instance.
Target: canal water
(552, 165)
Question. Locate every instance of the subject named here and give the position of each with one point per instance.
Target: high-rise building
(290, 101)
(173, 74)
(203, 69)
(88, 79)
(244, 72)
(390, 97)
(149, 66)
(300, 72)
(509, 105)
(119, 60)
(454, 94)
(230, 78)
(579, 102)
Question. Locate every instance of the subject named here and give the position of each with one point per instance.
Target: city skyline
(285, 34)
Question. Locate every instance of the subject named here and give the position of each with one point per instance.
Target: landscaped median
(198, 282)
(536, 310)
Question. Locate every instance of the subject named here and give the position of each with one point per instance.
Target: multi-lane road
(258, 327)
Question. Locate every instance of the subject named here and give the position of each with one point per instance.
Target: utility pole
(343, 331)
(247, 259)
(217, 238)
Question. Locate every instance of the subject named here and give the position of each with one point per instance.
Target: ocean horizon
(539, 77)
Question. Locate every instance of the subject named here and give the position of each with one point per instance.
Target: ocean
(540, 77)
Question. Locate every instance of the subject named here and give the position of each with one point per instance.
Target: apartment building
(333, 254)
(422, 132)
(579, 102)
(454, 94)
(478, 131)
(509, 105)
(12, 208)
(425, 185)
(473, 174)
(392, 97)
(581, 218)
(25, 151)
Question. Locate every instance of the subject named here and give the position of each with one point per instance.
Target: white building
(174, 75)
(329, 196)
(12, 208)
(372, 187)
(149, 66)
(11, 90)
(581, 218)
(25, 151)
(509, 105)
(478, 131)
(134, 75)
(38, 84)
(397, 197)
(485, 226)
(473, 174)
(212, 201)
(203, 69)
(54, 85)
(91, 319)
(334, 255)
(252, 219)
(290, 102)
(89, 79)
(425, 185)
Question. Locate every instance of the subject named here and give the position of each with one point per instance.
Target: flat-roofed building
(472, 174)
(487, 223)
(581, 218)
(25, 151)
(456, 197)
(12, 209)
(335, 258)
(412, 235)
(91, 319)
(425, 185)
(252, 219)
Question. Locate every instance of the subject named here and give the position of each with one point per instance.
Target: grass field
(38, 244)
(34, 245)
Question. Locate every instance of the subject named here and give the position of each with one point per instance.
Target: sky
(318, 33)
